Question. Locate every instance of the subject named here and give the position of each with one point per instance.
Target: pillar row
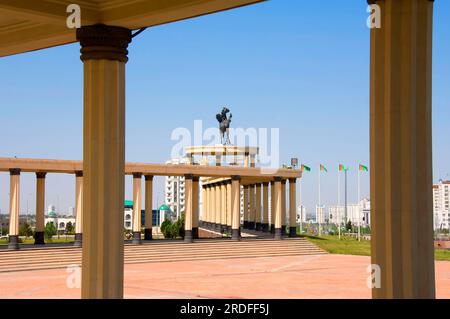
(137, 208)
(40, 209)
(78, 209)
(292, 207)
(148, 231)
(14, 200)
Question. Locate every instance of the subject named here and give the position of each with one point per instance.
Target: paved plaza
(312, 276)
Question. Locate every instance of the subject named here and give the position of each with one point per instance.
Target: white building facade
(441, 210)
(356, 213)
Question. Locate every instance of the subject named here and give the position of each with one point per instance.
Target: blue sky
(301, 66)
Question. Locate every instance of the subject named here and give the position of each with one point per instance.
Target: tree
(69, 228)
(25, 230)
(349, 226)
(50, 230)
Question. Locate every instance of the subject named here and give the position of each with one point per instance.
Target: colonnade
(260, 211)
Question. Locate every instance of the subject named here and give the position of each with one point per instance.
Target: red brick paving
(320, 276)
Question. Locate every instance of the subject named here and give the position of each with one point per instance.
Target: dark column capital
(14, 171)
(292, 180)
(277, 179)
(196, 179)
(79, 173)
(100, 41)
(283, 181)
(148, 177)
(40, 175)
(137, 175)
(188, 176)
(235, 178)
(266, 184)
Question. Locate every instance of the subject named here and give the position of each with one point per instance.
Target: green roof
(128, 203)
(164, 207)
(52, 214)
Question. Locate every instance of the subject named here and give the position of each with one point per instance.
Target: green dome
(164, 207)
(52, 214)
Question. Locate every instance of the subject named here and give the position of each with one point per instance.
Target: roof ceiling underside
(27, 25)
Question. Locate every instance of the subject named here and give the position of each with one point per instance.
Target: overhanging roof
(27, 25)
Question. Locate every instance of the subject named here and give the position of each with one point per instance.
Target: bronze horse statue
(224, 125)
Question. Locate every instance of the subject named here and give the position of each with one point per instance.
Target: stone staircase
(159, 251)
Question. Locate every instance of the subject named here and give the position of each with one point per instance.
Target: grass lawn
(351, 246)
(30, 241)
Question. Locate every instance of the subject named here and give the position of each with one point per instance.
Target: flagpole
(318, 211)
(359, 208)
(345, 197)
(338, 213)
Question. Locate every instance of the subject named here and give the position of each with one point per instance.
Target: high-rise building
(441, 211)
(175, 189)
(301, 214)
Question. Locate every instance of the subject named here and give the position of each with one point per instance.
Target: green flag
(306, 168)
(323, 168)
(343, 168)
(363, 168)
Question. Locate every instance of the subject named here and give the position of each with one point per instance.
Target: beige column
(246, 208)
(283, 207)
(236, 207)
(252, 160)
(78, 209)
(292, 207)
(104, 53)
(218, 208)
(229, 207)
(148, 232)
(206, 218)
(14, 200)
(272, 207)
(258, 207)
(213, 207)
(40, 209)
(251, 196)
(137, 208)
(188, 217)
(223, 206)
(401, 150)
(247, 160)
(195, 206)
(265, 204)
(218, 160)
(278, 207)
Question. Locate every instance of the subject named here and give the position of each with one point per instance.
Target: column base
(39, 238)
(78, 240)
(292, 232)
(283, 230)
(148, 234)
(188, 236)
(136, 238)
(218, 228)
(272, 228)
(258, 226)
(195, 233)
(277, 234)
(245, 225)
(265, 227)
(13, 242)
(236, 234)
(251, 225)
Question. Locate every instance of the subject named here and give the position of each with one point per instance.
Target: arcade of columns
(225, 200)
